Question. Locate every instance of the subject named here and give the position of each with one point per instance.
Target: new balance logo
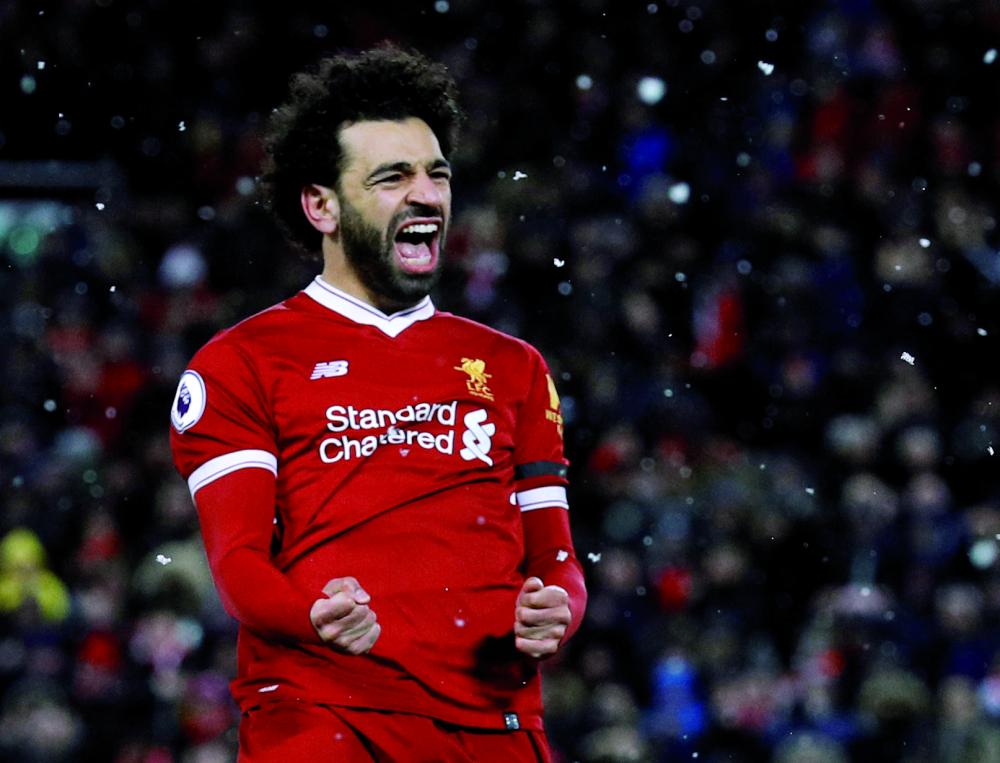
(329, 370)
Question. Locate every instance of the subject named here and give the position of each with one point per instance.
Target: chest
(340, 399)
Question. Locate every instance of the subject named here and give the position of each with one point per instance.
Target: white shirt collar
(361, 312)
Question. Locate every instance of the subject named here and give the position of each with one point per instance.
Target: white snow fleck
(164, 560)
(982, 331)
(100, 206)
(459, 622)
(41, 65)
(990, 56)
(595, 558)
(679, 193)
(181, 127)
(989, 449)
(442, 6)
(907, 358)
(112, 289)
(765, 67)
(925, 242)
(811, 490)
(562, 556)
(558, 263)
(49, 405)
(266, 689)
(518, 175)
(651, 90)
(584, 82)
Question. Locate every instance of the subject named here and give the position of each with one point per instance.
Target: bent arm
(549, 555)
(237, 521)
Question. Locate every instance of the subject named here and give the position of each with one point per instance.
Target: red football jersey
(404, 448)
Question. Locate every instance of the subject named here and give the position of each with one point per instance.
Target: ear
(321, 207)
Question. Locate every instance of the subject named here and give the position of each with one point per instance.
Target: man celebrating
(381, 486)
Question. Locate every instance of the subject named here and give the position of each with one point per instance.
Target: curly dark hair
(302, 142)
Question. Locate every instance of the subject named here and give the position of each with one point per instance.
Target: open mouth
(416, 245)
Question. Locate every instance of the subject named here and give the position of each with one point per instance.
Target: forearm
(261, 597)
(550, 556)
(236, 514)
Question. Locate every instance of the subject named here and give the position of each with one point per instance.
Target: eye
(441, 175)
(389, 179)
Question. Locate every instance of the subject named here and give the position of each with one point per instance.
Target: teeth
(421, 228)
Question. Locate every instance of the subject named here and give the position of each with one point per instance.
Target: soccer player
(381, 485)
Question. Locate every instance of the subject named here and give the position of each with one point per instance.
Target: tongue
(414, 256)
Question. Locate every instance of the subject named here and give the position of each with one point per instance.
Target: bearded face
(399, 263)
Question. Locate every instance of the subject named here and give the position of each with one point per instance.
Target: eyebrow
(405, 167)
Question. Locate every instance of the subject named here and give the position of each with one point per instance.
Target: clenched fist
(343, 619)
(541, 617)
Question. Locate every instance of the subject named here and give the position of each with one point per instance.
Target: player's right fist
(343, 619)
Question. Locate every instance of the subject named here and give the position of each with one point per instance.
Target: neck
(337, 272)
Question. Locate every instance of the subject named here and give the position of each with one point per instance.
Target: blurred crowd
(756, 242)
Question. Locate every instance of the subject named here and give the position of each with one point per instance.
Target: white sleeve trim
(542, 498)
(220, 466)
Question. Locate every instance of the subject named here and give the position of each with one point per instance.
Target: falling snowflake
(990, 56)
(558, 263)
(925, 242)
(100, 206)
(518, 175)
(181, 127)
(989, 449)
(907, 358)
(164, 560)
(679, 193)
(811, 490)
(562, 555)
(765, 67)
(981, 332)
(595, 558)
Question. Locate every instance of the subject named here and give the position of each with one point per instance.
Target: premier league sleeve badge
(189, 402)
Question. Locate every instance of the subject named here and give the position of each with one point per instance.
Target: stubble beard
(371, 254)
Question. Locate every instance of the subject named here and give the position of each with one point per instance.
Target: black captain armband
(540, 469)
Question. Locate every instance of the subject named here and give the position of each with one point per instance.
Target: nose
(426, 191)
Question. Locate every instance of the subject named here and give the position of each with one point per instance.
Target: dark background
(768, 299)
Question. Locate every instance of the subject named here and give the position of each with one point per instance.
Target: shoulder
(256, 335)
(457, 326)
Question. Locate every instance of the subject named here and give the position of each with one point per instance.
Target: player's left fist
(541, 617)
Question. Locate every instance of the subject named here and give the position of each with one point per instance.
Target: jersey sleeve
(220, 421)
(539, 464)
(540, 489)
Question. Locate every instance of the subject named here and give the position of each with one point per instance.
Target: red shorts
(290, 732)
